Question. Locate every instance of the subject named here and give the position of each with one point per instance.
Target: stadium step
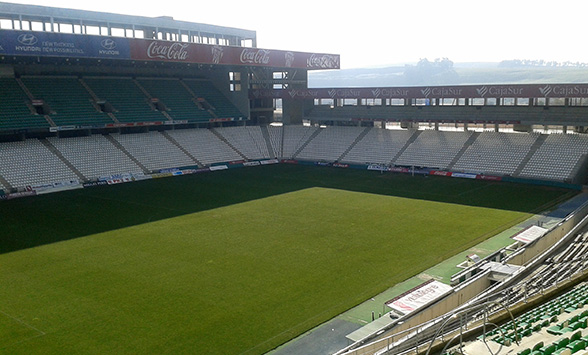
(127, 153)
(222, 138)
(5, 183)
(151, 100)
(357, 140)
(530, 154)
(25, 89)
(56, 151)
(301, 148)
(174, 142)
(408, 143)
(268, 142)
(465, 147)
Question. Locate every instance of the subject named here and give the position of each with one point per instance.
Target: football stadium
(170, 187)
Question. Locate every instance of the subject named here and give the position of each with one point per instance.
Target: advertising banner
(464, 175)
(218, 167)
(420, 296)
(63, 45)
(398, 169)
(440, 173)
(51, 44)
(530, 234)
(430, 92)
(489, 177)
(378, 167)
(168, 51)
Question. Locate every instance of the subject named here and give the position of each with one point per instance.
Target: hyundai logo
(27, 39)
(108, 43)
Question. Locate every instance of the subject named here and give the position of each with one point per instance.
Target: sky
(372, 33)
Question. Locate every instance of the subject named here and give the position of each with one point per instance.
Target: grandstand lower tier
(527, 298)
(39, 161)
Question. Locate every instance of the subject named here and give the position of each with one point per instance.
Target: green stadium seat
(576, 346)
(538, 346)
(549, 349)
(561, 343)
(576, 336)
(555, 330)
(526, 351)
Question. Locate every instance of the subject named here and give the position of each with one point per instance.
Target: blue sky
(378, 33)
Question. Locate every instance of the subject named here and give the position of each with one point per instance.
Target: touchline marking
(41, 333)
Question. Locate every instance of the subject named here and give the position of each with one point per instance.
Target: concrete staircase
(266, 137)
(357, 140)
(538, 143)
(6, 184)
(314, 134)
(174, 142)
(412, 138)
(466, 145)
(57, 153)
(222, 138)
(127, 153)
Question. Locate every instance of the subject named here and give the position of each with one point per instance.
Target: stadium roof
(92, 17)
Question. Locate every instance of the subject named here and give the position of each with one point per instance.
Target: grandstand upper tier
(71, 73)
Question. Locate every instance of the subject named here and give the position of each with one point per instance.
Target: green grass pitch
(231, 262)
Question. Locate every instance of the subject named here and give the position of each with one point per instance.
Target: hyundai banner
(62, 45)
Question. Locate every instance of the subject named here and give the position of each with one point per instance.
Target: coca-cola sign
(323, 61)
(146, 49)
(255, 56)
(169, 51)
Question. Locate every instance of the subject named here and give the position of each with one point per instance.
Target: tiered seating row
(129, 103)
(247, 140)
(378, 146)
(205, 146)
(31, 163)
(14, 112)
(96, 155)
(294, 138)
(434, 149)
(73, 104)
(330, 143)
(495, 152)
(69, 100)
(276, 133)
(153, 150)
(557, 157)
(223, 108)
(555, 327)
(179, 102)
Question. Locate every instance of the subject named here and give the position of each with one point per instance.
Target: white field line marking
(41, 333)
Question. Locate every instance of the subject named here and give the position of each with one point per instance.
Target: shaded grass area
(46, 219)
(233, 262)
